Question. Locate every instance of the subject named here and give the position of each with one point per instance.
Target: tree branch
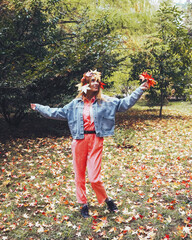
(70, 21)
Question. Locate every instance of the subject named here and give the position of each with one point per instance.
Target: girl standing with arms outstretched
(91, 117)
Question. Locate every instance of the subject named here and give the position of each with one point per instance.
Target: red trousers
(87, 152)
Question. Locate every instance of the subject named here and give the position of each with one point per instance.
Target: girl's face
(94, 84)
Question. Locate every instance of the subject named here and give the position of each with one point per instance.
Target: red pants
(87, 152)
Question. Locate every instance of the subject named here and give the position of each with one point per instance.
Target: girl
(91, 116)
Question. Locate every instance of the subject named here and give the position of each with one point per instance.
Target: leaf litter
(151, 183)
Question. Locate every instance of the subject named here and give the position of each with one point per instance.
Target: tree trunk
(161, 106)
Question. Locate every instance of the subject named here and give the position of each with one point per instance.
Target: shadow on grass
(140, 115)
(34, 126)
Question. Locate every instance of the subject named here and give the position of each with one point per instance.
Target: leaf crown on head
(86, 78)
(87, 75)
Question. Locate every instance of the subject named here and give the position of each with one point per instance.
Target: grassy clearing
(146, 169)
(177, 108)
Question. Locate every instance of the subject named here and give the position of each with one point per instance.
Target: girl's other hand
(33, 106)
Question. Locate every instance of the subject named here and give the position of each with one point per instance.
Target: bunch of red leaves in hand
(150, 80)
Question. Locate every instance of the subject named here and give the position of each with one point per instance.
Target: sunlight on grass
(178, 107)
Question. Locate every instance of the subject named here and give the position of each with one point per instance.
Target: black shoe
(112, 206)
(85, 212)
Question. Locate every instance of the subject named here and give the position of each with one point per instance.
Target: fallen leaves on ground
(151, 182)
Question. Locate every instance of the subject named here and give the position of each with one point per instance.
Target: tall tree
(45, 46)
(168, 57)
(25, 34)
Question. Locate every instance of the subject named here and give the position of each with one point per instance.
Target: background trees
(167, 56)
(25, 35)
(47, 45)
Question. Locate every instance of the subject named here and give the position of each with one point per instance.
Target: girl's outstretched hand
(144, 86)
(33, 106)
(145, 76)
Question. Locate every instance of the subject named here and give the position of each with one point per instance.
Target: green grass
(178, 107)
(146, 169)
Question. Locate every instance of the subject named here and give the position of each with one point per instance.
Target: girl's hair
(86, 80)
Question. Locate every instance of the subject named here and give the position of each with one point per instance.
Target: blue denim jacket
(103, 113)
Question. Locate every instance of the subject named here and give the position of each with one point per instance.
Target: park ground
(146, 169)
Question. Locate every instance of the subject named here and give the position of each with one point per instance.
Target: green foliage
(25, 35)
(47, 46)
(127, 16)
(26, 31)
(188, 19)
(12, 102)
(188, 92)
(153, 98)
(167, 57)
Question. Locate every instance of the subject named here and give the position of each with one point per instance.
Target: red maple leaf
(151, 82)
(145, 75)
(101, 84)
